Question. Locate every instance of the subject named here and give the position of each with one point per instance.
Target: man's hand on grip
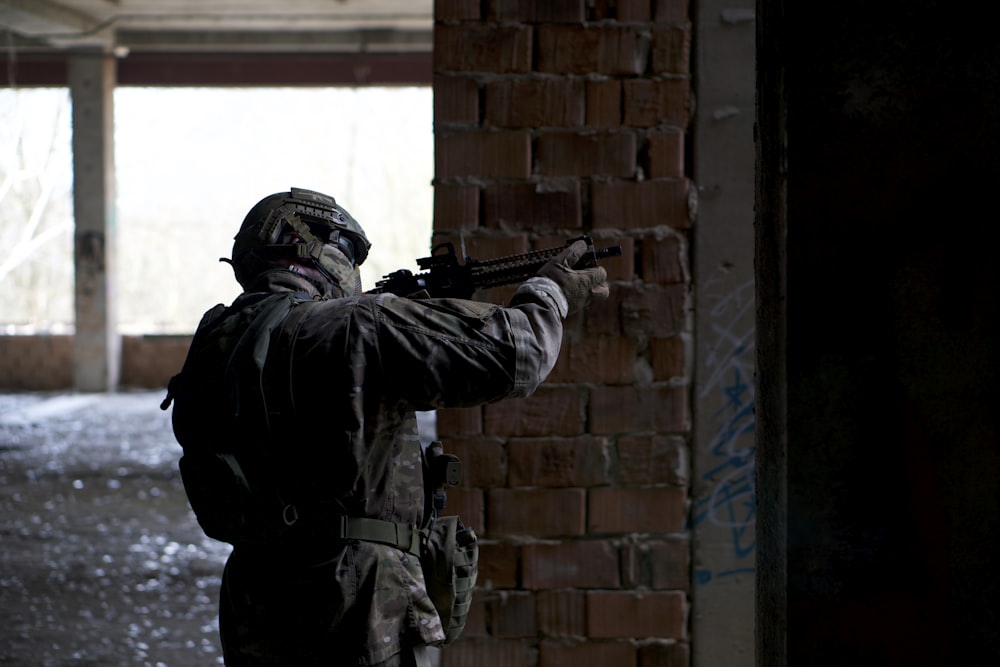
(579, 285)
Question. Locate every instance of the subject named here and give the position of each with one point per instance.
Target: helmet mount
(301, 224)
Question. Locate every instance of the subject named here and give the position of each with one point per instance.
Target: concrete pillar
(96, 348)
(724, 512)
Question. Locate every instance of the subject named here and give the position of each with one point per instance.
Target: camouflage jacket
(342, 379)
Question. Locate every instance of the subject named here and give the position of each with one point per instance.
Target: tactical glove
(578, 285)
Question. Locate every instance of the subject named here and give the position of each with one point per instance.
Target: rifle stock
(444, 276)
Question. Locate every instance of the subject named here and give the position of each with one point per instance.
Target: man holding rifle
(295, 411)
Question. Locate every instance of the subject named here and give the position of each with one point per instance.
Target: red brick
(599, 10)
(549, 411)
(665, 154)
(623, 266)
(475, 623)
(667, 357)
(556, 462)
(535, 103)
(478, 48)
(533, 11)
(573, 325)
(653, 459)
(484, 462)
(603, 316)
(648, 103)
(639, 11)
(560, 613)
(631, 573)
(513, 615)
(590, 653)
(456, 10)
(632, 510)
(621, 614)
(671, 50)
(665, 655)
(37, 363)
(550, 241)
(640, 204)
(670, 565)
(533, 206)
(657, 409)
(498, 565)
(536, 512)
(456, 101)
(475, 652)
(485, 154)
(483, 247)
(146, 361)
(604, 103)
(598, 359)
(662, 260)
(573, 564)
(655, 310)
(456, 207)
(468, 505)
(459, 421)
(599, 153)
(671, 11)
(590, 50)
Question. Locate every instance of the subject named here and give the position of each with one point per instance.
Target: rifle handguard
(444, 277)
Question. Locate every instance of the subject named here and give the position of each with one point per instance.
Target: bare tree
(35, 209)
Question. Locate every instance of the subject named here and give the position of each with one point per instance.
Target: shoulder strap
(208, 320)
(250, 352)
(278, 380)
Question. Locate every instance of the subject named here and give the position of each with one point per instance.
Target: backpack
(231, 479)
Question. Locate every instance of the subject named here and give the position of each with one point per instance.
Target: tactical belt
(400, 535)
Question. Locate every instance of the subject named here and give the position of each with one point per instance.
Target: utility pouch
(450, 562)
(219, 493)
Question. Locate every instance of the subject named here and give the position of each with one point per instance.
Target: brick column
(96, 342)
(554, 120)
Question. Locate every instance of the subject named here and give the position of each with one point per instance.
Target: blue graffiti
(731, 502)
(703, 576)
(725, 489)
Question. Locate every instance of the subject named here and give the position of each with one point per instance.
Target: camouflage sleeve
(540, 330)
(453, 352)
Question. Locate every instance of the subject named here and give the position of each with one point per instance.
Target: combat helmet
(319, 225)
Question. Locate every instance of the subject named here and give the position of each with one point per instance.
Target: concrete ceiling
(218, 26)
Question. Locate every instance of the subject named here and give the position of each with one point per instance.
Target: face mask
(341, 270)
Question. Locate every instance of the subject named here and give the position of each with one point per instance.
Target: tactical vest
(243, 493)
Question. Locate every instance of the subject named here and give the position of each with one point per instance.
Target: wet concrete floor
(101, 560)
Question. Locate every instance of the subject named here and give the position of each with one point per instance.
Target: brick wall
(554, 119)
(36, 363)
(45, 363)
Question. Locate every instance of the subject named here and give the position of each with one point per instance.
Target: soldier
(295, 410)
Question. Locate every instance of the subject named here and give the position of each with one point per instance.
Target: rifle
(444, 277)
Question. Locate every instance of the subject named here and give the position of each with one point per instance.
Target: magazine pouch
(450, 561)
